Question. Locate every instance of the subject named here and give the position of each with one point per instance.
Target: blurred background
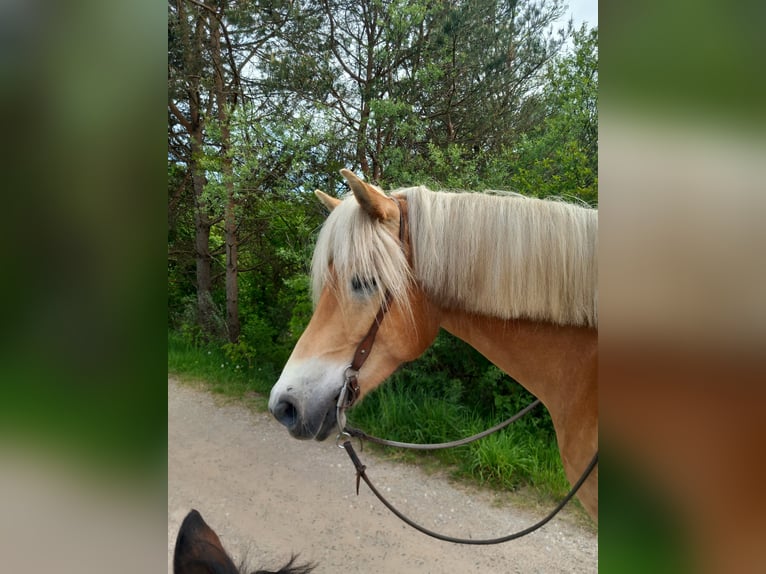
(681, 280)
(82, 351)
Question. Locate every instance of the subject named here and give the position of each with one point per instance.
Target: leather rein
(350, 393)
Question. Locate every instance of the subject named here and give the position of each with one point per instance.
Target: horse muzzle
(305, 397)
(318, 426)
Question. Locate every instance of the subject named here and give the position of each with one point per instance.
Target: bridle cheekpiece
(351, 390)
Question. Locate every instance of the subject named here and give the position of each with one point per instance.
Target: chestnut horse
(514, 277)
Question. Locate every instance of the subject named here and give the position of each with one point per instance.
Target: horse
(198, 550)
(513, 276)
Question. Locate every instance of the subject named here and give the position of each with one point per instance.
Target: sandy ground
(268, 495)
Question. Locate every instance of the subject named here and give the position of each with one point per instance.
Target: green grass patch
(510, 459)
(209, 362)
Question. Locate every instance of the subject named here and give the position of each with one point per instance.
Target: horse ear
(328, 201)
(371, 198)
(199, 550)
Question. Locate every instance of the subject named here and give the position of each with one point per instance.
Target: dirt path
(268, 495)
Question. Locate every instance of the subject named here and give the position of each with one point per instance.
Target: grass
(521, 456)
(222, 376)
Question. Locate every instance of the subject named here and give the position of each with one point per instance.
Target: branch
(333, 47)
(205, 6)
(179, 116)
(179, 251)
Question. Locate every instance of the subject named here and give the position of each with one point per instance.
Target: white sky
(583, 11)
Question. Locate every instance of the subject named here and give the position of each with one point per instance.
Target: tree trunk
(230, 214)
(193, 37)
(202, 225)
(232, 247)
(232, 288)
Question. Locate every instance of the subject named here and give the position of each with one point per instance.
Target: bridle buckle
(350, 390)
(347, 397)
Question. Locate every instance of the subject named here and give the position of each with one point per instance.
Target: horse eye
(359, 285)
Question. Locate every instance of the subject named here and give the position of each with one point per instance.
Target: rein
(362, 436)
(362, 475)
(350, 393)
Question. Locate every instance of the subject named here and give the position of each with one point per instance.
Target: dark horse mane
(289, 568)
(198, 550)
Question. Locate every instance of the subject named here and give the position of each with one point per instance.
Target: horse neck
(558, 364)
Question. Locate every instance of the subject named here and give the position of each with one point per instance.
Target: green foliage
(210, 362)
(560, 156)
(298, 296)
(193, 334)
(498, 459)
(186, 322)
(239, 353)
(516, 457)
(449, 167)
(410, 415)
(261, 343)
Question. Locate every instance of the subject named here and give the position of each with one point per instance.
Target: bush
(240, 353)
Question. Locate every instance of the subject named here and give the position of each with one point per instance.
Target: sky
(583, 11)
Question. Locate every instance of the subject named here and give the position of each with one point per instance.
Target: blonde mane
(503, 256)
(355, 246)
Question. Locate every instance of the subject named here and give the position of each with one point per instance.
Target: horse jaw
(305, 396)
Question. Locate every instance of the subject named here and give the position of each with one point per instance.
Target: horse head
(361, 273)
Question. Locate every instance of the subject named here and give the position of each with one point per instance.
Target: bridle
(351, 390)
(349, 394)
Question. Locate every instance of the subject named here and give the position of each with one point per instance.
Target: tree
(483, 61)
(189, 107)
(394, 76)
(560, 156)
(211, 45)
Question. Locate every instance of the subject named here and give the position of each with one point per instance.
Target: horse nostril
(286, 412)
